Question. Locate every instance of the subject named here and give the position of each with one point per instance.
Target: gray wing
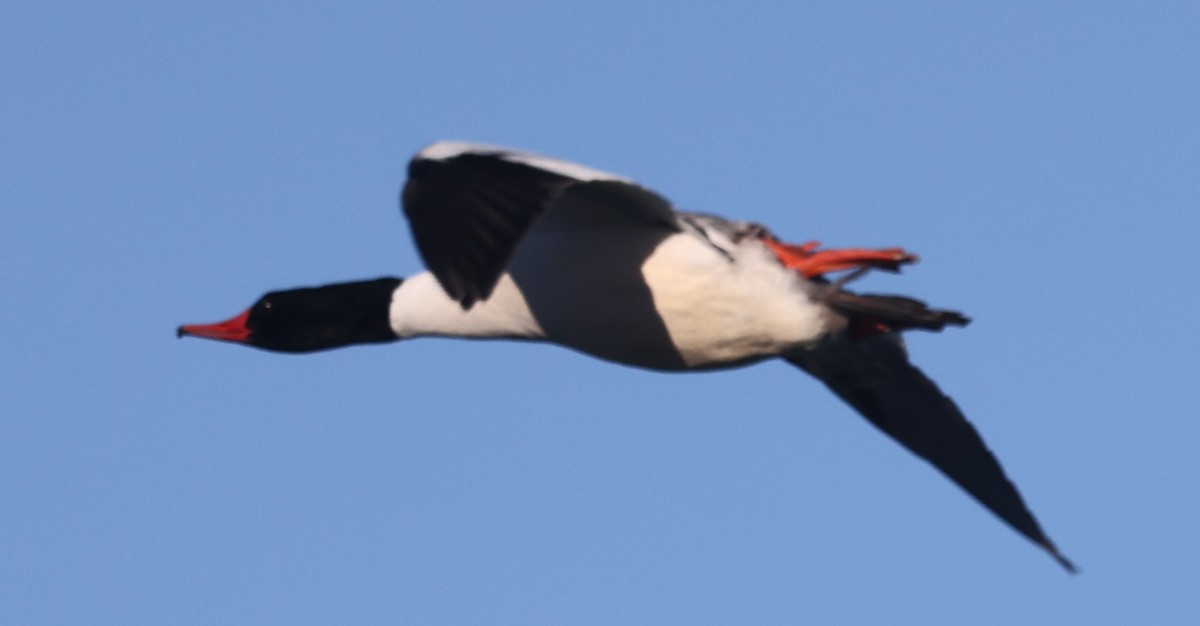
(470, 205)
(875, 377)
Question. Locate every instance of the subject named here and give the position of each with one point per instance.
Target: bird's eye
(266, 304)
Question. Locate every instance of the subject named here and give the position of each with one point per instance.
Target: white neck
(421, 307)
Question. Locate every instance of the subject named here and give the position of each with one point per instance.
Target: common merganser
(521, 245)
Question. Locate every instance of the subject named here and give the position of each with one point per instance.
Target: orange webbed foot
(812, 262)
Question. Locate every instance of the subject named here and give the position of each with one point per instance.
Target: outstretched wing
(470, 205)
(875, 377)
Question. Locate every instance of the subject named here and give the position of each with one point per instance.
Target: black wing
(875, 377)
(470, 206)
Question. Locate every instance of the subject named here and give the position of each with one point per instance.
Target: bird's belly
(666, 303)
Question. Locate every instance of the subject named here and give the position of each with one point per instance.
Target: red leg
(811, 262)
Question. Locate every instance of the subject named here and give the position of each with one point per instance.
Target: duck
(520, 245)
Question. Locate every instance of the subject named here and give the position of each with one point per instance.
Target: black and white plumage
(521, 245)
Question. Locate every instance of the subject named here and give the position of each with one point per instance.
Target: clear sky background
(164, 163)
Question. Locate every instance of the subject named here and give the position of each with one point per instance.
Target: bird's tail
(874, 314)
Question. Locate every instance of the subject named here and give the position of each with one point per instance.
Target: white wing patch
(444, 150)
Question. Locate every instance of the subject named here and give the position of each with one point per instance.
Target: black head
(310, 319)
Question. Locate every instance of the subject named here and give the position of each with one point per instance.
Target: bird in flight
(525, 246)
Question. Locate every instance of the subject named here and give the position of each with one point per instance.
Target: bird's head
(310, 318)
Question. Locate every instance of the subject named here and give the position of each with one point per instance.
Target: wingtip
(1066, 563)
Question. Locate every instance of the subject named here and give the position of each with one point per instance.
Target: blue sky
(169, 162)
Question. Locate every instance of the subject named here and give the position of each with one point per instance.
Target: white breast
(420, 307)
